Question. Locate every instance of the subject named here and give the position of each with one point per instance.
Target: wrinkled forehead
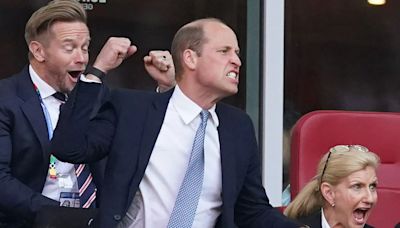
(368, 175)
(220, 33)
(69, 30)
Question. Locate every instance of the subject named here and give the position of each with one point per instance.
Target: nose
(81, 57)
(235, 59)
(370, 196)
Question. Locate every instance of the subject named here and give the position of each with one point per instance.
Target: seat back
(318, 131)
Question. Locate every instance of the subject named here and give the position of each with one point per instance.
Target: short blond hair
(55, 11)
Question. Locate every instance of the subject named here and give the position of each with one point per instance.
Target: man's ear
(37, 50)
(327, 191)
(190, 59)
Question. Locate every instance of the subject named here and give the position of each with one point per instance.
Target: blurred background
(150, 25)
(335, 55)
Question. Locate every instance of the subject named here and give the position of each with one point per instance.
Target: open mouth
(360, 215)
(75, 74)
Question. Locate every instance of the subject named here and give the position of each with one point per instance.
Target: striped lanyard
(53, 160)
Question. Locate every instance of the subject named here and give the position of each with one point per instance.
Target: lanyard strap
(49, 125)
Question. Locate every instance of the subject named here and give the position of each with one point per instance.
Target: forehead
(365, 175)
(217, 33)
(69, 30)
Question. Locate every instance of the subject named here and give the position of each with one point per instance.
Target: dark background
(150, 25)
(341, 55)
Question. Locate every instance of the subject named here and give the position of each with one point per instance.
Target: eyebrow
(375, 181)
(69, 40)
(237, 50)
(357, 181)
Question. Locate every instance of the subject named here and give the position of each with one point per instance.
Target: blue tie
(189, 193)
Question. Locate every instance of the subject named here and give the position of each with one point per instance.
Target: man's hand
(114, 51)
(160, 66)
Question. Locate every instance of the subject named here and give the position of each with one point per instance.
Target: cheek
(86, 57)
(345, 207)
(375, 197)
(347, 200)
(58, 61)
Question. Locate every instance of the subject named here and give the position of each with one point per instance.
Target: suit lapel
(228, 157)
(152, 127)
(313, 220)
(33, 110)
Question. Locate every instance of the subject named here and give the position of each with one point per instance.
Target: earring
(333, 204)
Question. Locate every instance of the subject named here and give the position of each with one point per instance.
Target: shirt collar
(187, 109)
(324, 222)
(45, 90)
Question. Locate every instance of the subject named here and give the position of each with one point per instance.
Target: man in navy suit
(148, 139)
(58, 40)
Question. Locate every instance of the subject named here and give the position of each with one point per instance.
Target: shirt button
(117, 217)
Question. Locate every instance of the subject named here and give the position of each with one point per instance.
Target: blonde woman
(343, 193)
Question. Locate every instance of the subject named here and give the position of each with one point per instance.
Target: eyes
(223, 51)
(227, 50)
(372, 187)
(359, 186)
(356, 186)
(70, 47)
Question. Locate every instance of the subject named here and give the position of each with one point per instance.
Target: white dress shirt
(52, 107)
(324, 223)
(167, 167)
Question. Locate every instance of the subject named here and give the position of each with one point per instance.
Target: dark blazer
(314, 220)
(24, 152)
(126, 129)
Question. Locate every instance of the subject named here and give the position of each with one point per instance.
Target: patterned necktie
(189, 193)
(87, 189)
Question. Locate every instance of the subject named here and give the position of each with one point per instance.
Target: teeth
(232, 75)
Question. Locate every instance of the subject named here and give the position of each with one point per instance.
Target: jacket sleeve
(83, 134)
(252, 208)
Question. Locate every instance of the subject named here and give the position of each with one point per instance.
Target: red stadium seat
(317, 131)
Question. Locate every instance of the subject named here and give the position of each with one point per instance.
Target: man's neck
(201, 97)
(38, 68)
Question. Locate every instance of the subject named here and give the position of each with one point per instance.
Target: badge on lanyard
(69, 195)
(52, 167)
(69, 199)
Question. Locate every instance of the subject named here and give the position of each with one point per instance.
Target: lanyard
(53, 160)
(46, 114)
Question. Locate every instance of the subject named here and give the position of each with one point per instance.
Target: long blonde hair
(340, 162)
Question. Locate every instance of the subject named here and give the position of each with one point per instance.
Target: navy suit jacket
(24, 152)
(126, 130)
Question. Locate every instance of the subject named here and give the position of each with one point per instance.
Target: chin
(355, 224)
(233, 91)
(67, 89)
